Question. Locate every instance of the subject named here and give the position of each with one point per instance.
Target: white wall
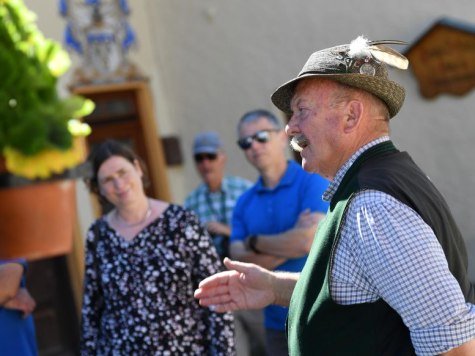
(212, 60)
(220, 58)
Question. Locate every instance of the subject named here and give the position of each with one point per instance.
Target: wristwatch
(251, 243)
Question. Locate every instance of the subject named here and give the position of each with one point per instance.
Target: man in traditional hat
(387, 273)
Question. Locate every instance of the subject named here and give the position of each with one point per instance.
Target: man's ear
(224, 157)
(353, 115)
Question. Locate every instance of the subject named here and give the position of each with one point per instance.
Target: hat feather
(389, 56)
(359, 48)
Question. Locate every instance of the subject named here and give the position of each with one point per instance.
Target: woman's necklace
(122, 223)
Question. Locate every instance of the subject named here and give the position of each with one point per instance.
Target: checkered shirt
(199, 199)
(378, 257)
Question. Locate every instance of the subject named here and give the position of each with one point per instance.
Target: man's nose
(291, 128)
(206, 163)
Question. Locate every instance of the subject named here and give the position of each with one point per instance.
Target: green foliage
(32, 115)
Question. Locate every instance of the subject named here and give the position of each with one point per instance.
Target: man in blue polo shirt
(274, 222)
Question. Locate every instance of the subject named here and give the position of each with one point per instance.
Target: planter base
(37, 220)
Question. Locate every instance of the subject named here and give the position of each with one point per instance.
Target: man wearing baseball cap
(213, 200)
(387, 273)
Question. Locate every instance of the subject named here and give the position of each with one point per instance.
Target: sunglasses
(262, 136)
(200, 157)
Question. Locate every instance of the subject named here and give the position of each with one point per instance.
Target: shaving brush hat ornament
(361, 64)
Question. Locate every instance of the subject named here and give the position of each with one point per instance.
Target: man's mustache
(298, 143)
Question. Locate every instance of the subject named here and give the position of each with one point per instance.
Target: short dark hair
(255, 115)
(101, 153)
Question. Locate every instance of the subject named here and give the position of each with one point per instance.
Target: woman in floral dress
(144, 259)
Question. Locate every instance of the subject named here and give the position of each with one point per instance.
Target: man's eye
(304, 111)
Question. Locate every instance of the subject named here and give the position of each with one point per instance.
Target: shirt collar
(225, 184)
(287, 178)
(223, 189)
(333, 186)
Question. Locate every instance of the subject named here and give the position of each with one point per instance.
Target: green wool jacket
(316, 324)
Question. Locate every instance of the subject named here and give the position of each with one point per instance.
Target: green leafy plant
(37, 126)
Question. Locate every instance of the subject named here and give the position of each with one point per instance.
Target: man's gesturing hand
(244, 286)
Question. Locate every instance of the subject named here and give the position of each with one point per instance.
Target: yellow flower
(46, 163)
(78, 128)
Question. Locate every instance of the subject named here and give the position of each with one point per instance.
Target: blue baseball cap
(207, 142)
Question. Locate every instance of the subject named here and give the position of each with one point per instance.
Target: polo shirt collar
(287, 178)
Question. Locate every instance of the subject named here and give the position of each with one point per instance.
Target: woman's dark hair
(101, 153)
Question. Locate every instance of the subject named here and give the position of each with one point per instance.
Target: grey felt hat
(361, 64)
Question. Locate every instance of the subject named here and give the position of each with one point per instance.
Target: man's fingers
(216, 279)
(222, 308)
(241, 267)
(215, 300)
(305, 214)
(315, 215)
(308, 220)
(206, 291)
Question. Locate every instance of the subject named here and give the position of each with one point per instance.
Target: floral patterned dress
(138, 294)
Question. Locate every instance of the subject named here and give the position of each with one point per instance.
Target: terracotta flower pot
(37, 220)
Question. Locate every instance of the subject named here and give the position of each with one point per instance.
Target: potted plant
(40, 139)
